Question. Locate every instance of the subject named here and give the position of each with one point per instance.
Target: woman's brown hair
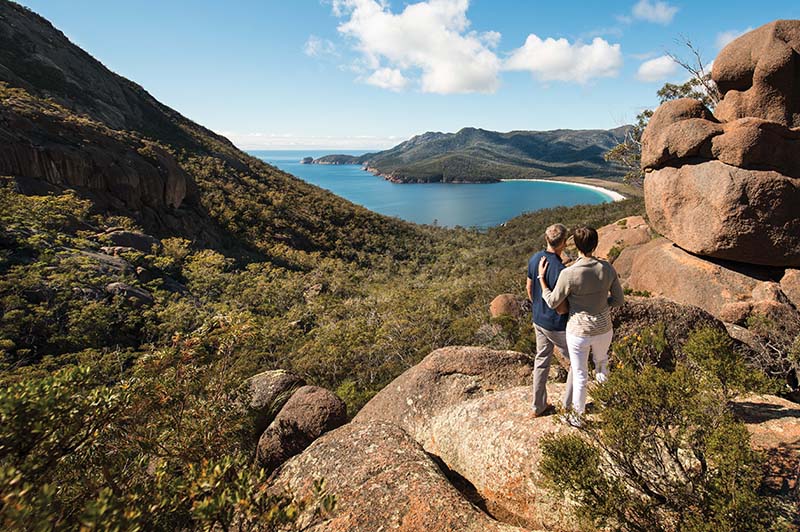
(585, 239)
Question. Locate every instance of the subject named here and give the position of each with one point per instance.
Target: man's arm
(529, 289)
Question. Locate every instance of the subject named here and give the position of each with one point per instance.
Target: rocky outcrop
(310, 412)
(383, 480)
(679, 321)
(444, 378)
(493, 443)
(613, 238)
(119, 170)
(132, 239)
(269, 391)
(728, 290)
(508, 305)
(453, 445)
(727, 185)
(470, 407)
(134, 295)
(102, 262)
(718, 210)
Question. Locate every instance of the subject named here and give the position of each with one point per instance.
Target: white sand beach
(615, 196)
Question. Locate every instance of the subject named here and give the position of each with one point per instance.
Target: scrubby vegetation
(122, 370)
(663, 451)
(114, 411)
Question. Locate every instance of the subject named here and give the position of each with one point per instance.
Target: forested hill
(66, 121)
(473, 155)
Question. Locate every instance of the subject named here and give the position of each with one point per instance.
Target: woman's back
(589, 281)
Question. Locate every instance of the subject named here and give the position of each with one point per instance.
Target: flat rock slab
(444, 378)
(774, 426)
(493, 442)
(630, 231)
(382, 480)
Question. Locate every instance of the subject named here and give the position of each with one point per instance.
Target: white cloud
(657, 69)
(655, 11)
(431, 38)
(491, 38)
(316, 47)
(388, 78)
(291, 141)
(726, 37)
(557, 59)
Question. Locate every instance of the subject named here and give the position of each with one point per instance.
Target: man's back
(543, 315)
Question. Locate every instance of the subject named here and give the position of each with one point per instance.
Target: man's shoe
(548, 410)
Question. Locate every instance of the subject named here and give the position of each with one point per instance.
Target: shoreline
(612, 194)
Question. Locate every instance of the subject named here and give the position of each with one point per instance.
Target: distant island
(480, 156)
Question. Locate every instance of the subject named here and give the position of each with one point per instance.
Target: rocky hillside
(478, 155)
(66, 121)
(149, 381)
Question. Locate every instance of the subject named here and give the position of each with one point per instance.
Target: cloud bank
(430, 37)
(558, 60)
(726, 37)
(429, 45)
(656, 11)
(657, 69)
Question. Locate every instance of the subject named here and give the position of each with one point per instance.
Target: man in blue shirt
(550, 325)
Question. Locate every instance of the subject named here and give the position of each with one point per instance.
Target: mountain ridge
(479, 155)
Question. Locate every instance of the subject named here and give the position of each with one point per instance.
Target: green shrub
(663, 454)
(165, 447)
(614, 252)
(636, 293)
(714, 353)
(647, 347)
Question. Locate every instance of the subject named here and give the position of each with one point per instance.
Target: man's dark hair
(585, 239)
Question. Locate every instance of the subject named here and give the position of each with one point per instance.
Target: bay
(468, 205)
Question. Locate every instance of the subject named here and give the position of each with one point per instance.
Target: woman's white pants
(579, 347)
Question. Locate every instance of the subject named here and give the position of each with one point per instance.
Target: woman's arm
(617, 295)
(559, 294)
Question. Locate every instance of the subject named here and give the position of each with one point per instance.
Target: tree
(699, 86)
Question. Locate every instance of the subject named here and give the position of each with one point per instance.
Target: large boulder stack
(287, 415)
(723, 188)
(727, 185)
(269, 391)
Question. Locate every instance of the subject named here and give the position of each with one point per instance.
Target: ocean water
(468, 205)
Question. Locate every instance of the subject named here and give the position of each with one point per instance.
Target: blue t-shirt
(544, 316)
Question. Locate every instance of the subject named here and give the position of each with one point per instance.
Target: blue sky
(365, 74)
